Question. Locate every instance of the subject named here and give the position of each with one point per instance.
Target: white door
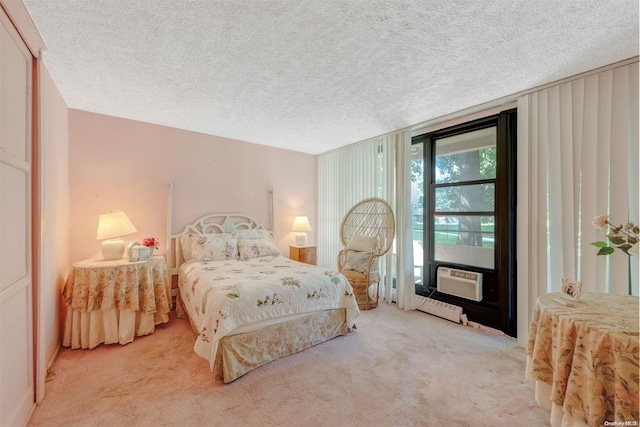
(16, 311)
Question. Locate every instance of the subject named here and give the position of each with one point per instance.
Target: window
(463, 205)
(463, 191)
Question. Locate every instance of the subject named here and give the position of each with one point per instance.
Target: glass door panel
(466, 157)
(463, 177)
(468, 240)
(463, 191)
(465, 198)
(417, 211)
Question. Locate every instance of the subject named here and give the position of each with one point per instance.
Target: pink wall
(54, 211)
(123, 164)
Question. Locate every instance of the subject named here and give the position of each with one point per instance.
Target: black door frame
(498, 306)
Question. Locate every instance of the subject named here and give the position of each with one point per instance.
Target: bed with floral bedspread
(293, 305)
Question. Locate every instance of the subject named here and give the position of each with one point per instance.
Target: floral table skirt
(584, 359)
(115, 301)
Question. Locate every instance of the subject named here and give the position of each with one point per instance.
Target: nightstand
(115, 301)
(306, 254)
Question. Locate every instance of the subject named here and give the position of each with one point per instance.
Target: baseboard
(436, 308)
(440, 309)
(53, 356)
(447, 311)
(31, 411)
(487, 328)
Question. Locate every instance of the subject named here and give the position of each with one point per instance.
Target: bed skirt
(242, 353)
(110, 326)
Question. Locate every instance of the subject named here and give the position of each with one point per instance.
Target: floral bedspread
(222, 296)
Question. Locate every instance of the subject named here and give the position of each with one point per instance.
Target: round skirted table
(583, 359)
(114, 301)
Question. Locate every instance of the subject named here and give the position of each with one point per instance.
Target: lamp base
(301, 238)
(112, 249)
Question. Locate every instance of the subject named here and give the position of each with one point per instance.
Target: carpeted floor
(397, 369)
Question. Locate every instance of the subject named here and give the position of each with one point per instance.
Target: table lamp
(301, 226)
(111, 226)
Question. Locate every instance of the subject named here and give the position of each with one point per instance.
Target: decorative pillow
(214, 247)
(356, 261)
(254, 234)
(362, 243)
(254, 248)
(185, 244)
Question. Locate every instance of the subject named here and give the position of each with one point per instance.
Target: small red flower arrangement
(151, 242)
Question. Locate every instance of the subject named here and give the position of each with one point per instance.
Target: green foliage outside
(453, 168)
(448, 234)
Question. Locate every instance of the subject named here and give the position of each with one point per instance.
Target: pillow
(254, 248)
(185, 244)
(362, 243)
(356, 261)
(214, 247)
(254, 234)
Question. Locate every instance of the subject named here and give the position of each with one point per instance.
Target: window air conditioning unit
(460, 283)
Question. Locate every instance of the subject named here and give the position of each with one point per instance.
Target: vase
(151, 248)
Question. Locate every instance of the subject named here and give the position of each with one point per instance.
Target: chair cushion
(353, 275)
(362, 243)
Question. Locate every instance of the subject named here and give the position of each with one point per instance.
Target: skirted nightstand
(115, 301)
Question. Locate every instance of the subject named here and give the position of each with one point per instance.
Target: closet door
(16, 311)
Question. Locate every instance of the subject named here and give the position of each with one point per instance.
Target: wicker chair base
(363, 297)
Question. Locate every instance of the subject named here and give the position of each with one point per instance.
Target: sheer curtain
(353, 173)
(577, 158)
(405, 282)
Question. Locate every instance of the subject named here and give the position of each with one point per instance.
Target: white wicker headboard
(207, 224)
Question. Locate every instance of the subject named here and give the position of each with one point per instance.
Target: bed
(247, 304)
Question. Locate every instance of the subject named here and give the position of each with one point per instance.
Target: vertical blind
(345, 177)
(577, 159)
(375, 168)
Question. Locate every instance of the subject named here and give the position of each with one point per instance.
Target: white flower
(600, 222)
(623, 237)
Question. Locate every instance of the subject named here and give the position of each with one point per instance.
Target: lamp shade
(301, 226)
(301, 223)
(114, 224)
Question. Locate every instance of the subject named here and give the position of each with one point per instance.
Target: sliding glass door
(463, 198)
(463, 205)
(417, 211)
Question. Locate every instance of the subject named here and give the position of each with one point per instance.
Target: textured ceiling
(314, 75)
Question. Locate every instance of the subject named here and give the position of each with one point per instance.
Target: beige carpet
(398, 369)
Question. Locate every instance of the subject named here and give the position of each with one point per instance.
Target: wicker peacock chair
(367, 232)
